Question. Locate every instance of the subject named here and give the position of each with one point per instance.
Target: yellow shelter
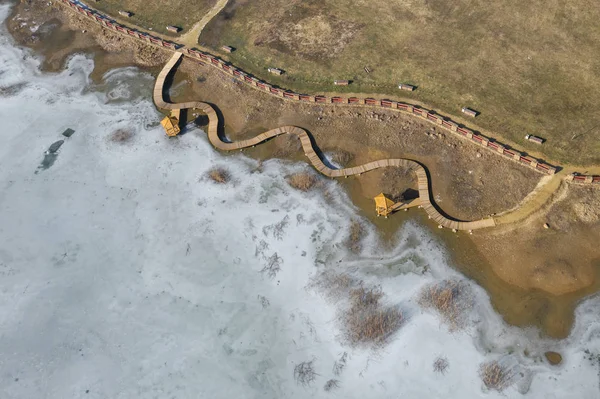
(383, 205)
(171, 123)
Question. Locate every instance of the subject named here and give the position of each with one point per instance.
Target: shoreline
(461, 246)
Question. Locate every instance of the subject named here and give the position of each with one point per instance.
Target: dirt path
(190, 39)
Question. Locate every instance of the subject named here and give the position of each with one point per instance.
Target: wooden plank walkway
(213, 136)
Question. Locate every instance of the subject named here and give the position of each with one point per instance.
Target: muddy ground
(535, 276)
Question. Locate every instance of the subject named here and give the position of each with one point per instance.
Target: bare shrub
(278, 229)
(355, 236)
(340, 364)
(331, 384)
(304, 373)
(219, 175)
(367, 321)
(273, 266)
(496, 375)
(451, 299)
(121, 136)
(303, 181)
(440, 365)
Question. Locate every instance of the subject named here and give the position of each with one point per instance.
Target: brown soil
(554, 358)
(467, 182)
(573, 218)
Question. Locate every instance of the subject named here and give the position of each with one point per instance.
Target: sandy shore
(535, 276)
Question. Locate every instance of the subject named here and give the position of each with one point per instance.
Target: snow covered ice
(126, 273)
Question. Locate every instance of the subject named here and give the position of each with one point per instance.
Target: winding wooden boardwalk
(214, 138)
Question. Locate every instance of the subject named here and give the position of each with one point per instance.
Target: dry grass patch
(302, 181)
(355, 237)
(496, 375)
(365, 320)
(219, 175)
(368, 321)
(335, 285)
(451, 299)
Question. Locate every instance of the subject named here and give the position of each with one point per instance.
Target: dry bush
(340, 364)
(367, 321)
(304, 373)
(355, 237)
(303, 181)
(121, 136)
(440, 365)
(219, 175)
(451, 299)
(273, 266)
(495, 375)
(331, 384)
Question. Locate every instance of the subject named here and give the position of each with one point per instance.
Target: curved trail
(309, 151)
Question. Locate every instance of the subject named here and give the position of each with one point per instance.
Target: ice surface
(126, 273)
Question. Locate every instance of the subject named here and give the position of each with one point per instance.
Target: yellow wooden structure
(383, 205)
(171, 123)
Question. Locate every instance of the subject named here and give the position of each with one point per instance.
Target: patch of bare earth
(312, 37)
(558, 259)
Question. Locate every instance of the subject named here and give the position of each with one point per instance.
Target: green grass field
(529, 67)
(158, 14)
